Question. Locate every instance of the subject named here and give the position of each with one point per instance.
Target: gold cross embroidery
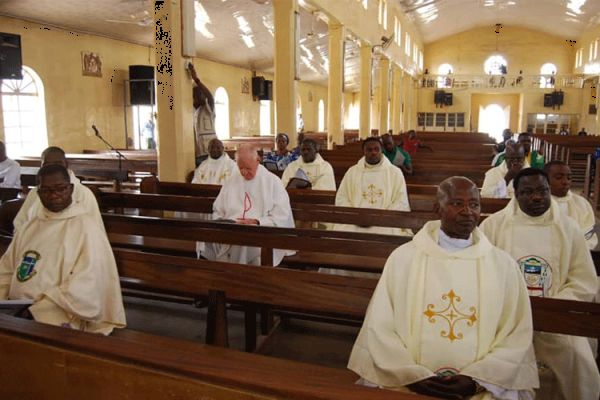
(372, 194)
(452, 315)
(223, 176)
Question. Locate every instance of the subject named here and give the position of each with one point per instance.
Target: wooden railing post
(216, 319)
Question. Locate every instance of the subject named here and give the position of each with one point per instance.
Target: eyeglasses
(59, 189)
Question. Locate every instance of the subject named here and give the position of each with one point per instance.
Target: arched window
(495, 65)
(222, 113)
(493, 119)
(24, 114)
(265, 118)
(445, 69)
(321, 116)
(548, 80)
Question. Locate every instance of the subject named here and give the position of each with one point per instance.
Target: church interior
(109, 82)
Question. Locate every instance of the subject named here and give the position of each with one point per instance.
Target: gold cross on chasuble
(372, 194)
(452, 315)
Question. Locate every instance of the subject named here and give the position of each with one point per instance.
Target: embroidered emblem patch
(537, 273)
(27, 268)
(452, 315)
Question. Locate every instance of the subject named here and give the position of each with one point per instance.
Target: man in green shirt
(396, 154)
(535, 159)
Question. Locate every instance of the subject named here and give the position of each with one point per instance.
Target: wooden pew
(41, 361)
(421, 197)
(309, 292)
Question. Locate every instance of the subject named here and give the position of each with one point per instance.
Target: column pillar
(396, 99)
(176, 143)
(364, 130)
(284, 59)
(335, 94)
(384, 80)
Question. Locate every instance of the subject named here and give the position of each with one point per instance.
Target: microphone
(95, 130)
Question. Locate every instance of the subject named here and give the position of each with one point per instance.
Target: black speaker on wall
(10, 56)
(548, 101)
(258, 86)
(558, 97)
(268, 91)
(141, 84)
(439, 97)
(448, 99)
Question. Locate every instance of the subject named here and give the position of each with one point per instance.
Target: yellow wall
(523, 49)
(74, 102)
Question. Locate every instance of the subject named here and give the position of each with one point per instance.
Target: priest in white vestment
(252, 196)
(555, 261)
(374, 182)
(318, 171)
(82, 195)
(217, 168)
(572, 204)
(498, 180)
(10, 170)
(450, 314)
(62, 261)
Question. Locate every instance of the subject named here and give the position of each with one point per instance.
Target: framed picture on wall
(91, 64)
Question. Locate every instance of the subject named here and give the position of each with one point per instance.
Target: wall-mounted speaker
(268, 91)
(10, 56)
(548, 102)
(448, 99)
(558, 98)
(258, 86)
(141, 85)
(439, 97)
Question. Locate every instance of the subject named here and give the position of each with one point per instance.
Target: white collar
(451, 244)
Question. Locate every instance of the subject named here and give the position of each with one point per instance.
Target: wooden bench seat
(43, 361)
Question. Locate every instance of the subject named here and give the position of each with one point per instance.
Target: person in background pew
(61, 260)
(553, 257)
(396, 154)
(411, 143)
(533, 158)
(450, 316)
(10, 170)
(217, 168)
(252, 196)
(497, 182)
(204, 116)
(81, 194)
(281, 157)
(318, 171)
(573, 205)
(373, 183)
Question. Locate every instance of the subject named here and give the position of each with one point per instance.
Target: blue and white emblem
(27, 268)
(537, 273)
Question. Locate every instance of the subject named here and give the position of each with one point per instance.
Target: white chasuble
(578, 208)
(214, 172)
(380, 186)
(263, 198)
(440, 312)
(494, 185)
(554, 259)
(319, 173)
(82, 195)
(64, 263)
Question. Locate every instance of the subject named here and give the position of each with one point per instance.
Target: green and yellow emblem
(27, 268)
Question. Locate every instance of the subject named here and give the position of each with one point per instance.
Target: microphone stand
(120, 156)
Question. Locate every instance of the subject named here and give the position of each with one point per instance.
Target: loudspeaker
(268, 90)
(10, 56)
(141, 84)
(448, 99)
(439, 97)
(557, 98)
(548, 100)
(258, 86)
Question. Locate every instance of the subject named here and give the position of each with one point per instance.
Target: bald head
(247, 161)
(458, 206)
